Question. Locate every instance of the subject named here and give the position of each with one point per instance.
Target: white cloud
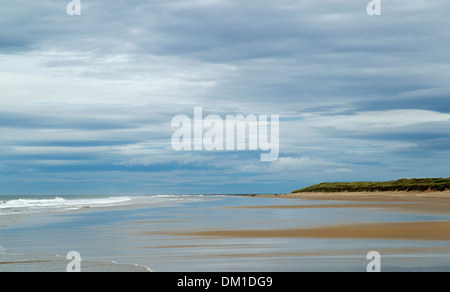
(378, 119)
(298, 165)
(181, 4)
(308, 164)
(101, 89)
(89, 78)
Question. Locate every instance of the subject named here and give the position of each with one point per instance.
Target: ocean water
(37, 232)
(51, 204)
(142, 233)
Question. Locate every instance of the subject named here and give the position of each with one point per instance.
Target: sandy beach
(424, 202)
(420, 202)
(397, 238)
(298, 232)
(434, 230)
(366, 196)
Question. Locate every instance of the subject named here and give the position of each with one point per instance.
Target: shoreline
(208, 236)
(422, 202)
(417, 202)
(392, 195)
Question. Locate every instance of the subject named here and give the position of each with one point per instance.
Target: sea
(144, 233)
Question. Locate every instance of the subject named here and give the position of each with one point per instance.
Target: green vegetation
(410, 185)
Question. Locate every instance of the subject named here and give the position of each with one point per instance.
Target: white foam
(58, 204)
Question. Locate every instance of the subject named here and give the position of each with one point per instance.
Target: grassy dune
(414, 184)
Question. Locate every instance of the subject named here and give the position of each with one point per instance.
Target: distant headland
(408, 185)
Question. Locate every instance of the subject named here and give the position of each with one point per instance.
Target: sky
(86, 102)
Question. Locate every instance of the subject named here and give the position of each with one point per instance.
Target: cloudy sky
(86, 102)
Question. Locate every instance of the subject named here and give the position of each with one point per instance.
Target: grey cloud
(297, 59)
(409, 133)
(36, 121)
(441, 144)
(433, 103)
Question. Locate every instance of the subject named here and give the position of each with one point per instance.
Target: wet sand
(367, 196)
(422, 202)
(426, 230)
(22, 262)
(385, 251)
(329, 232)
